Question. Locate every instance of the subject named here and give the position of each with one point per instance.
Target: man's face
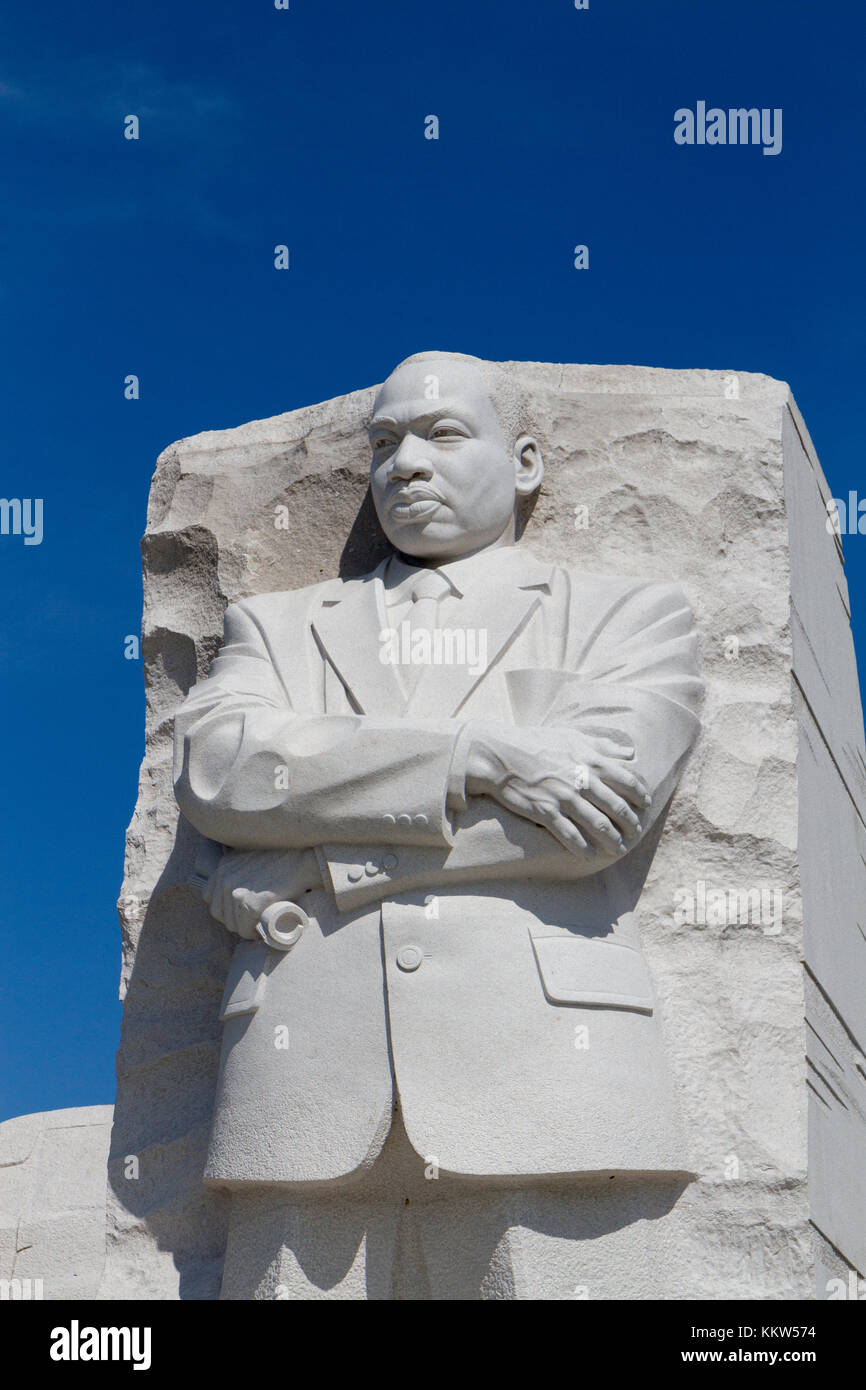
(442, 474)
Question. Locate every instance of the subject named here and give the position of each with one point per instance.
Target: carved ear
(528, 465)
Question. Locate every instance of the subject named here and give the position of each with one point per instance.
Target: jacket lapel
(498, 605)
(347, 628)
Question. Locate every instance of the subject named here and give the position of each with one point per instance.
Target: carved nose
(408, 461)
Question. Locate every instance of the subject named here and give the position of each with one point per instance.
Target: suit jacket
(462, 959)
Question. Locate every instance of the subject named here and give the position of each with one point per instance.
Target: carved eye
(383, 443)
(447, 432)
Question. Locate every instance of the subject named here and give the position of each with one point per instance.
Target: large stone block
(703, 478)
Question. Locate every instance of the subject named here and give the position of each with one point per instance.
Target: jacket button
(409, 957)
(404, 819)
(371, 869)
(354, 874)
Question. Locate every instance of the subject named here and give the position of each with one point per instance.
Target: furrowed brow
(427, 418)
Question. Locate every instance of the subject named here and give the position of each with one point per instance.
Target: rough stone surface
(685, 478)
(52, 1201)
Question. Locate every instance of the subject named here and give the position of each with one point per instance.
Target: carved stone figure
(438, 789)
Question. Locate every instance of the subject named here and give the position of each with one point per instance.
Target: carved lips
(415, 502)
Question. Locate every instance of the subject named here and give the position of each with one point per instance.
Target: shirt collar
(508, 563)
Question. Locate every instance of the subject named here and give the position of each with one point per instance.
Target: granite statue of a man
(436, 787)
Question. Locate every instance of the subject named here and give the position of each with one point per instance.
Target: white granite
(686, 481)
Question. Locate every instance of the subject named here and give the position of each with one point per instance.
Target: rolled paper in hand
(281, 925)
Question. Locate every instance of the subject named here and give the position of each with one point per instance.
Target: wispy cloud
(188, 127)
(60, 97)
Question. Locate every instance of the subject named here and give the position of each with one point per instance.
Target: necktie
(428, 589)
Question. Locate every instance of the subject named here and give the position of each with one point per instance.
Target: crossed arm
(565, 796)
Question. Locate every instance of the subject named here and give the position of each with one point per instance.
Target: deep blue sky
(261, 126)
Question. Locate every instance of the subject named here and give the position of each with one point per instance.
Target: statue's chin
(428, 541)
(437, 541)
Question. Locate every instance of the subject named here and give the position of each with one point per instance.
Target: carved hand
(277, 876)
(578, 787)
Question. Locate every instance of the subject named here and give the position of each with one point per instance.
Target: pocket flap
(577, 970)
(245, 983)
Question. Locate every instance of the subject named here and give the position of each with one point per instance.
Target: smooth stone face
(466, 484)
(52, 1202)
(670, 477)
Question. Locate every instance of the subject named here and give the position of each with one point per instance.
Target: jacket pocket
(578, 970)
(246, 980)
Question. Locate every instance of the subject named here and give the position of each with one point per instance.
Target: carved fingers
(245, 883)
(237, 907)
(540, 805)
(578, 787)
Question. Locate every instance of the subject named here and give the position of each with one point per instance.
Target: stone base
(405, 1232)
(52, 1202)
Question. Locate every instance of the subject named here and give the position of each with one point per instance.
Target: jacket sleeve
(634, 675)
(252, 773)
